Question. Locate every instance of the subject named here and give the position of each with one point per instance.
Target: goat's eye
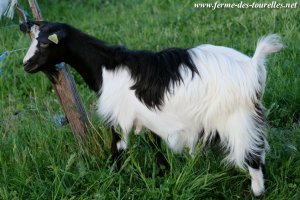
(44, 45)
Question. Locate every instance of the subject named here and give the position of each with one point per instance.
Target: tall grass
(40, 160)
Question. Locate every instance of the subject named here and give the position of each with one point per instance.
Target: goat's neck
(88, 55)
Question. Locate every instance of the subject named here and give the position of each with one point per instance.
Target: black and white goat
(181, 95)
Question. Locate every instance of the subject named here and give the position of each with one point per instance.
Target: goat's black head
(47, 47)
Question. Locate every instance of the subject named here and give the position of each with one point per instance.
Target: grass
(40, 160)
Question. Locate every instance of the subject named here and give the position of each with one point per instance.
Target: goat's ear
(57, 36)
(25, 27)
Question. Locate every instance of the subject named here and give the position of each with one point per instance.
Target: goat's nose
(25, 63)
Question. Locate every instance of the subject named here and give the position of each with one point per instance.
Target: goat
(182, 95)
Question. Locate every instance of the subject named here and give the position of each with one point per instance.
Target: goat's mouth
(31, 69)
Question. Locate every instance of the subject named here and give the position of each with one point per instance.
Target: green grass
(40, 160)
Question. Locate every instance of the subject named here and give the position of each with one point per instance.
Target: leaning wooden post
(65, 90)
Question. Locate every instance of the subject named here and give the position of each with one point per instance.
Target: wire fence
(4, 55)
(9, 26)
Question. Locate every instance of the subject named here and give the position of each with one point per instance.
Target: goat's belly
(118, 105)
(177, 130)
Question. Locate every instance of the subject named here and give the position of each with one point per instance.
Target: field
(39, 158)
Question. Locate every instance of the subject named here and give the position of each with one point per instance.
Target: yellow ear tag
(53, 38)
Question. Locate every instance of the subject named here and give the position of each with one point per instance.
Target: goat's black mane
(154, 73)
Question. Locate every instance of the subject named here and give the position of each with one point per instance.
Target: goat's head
(47, 47)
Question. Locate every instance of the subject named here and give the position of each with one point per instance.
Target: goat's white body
(219, 99)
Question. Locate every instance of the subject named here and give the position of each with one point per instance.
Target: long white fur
(220, 99)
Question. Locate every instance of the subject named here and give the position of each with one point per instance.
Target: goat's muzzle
(30, 68)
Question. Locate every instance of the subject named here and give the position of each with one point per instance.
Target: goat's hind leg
(256, 170)
(255, 162)
(256, 159)
(247, 145)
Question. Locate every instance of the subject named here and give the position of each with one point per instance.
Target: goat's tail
(265, 46)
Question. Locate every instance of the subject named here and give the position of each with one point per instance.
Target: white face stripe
(31, 51)
(33, 46)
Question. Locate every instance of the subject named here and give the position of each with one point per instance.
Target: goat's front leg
(159, 157)
(117, 148)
